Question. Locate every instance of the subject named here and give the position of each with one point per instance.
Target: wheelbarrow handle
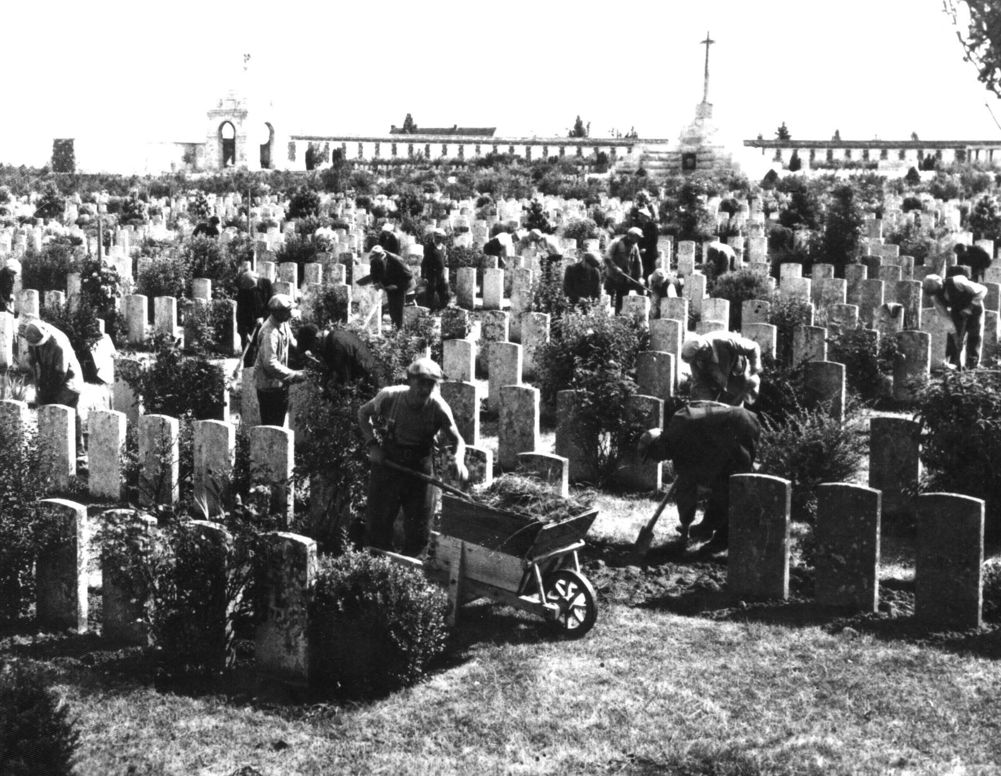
(426, 478)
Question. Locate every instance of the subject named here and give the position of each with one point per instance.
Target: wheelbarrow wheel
(574, 595)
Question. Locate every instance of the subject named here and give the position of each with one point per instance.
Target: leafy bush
(46, 270)
(174, 384)
(961, 436)
(810, 447)
(785, 316)
(207, 257)
(580, 229)
(378, 625)
(739, 287)
(867, 366)
(595, 353)
(165, 276)
(37, 735)
(21, 486)
(80, 327)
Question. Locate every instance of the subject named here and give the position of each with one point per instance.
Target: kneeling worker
(400, 426)
(725, 368)
(707, 442)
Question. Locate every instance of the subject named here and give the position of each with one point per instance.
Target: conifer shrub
(174, 384)
(37, 734)
(377, 625)
(739, 287)
(868, 365)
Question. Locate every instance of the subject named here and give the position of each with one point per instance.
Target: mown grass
(646, 692)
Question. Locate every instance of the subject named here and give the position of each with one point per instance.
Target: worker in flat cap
(624, 266)
(400, 426)
(252, 295)
(272, 375)
(55, 369)
(389, 273)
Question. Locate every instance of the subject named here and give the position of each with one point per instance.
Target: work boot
(718, 543)
(700, 531)
(683, 533)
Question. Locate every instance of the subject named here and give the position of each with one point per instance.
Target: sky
(114, 75)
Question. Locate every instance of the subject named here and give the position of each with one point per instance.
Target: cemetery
(188, 560)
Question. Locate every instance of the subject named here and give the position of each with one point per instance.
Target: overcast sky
(114, 74)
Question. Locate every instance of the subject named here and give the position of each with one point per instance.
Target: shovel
(642, 545)
(427, 478)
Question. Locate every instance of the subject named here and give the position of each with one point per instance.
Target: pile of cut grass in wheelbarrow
(531, 497)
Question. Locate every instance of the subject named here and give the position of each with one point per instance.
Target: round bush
(36, 733)
(376, 625)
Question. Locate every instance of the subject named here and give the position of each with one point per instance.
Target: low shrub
(810, 447)
(46, 270)
(37, 735)
(960, 416)
(174, 384)
(208, 257)
(166, 276)
(868, 365)
(785, 316)
(739, 287)
(378, 625)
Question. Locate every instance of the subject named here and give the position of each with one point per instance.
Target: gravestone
(272, 452)
(655, 374)
(633, 472)
(105, 454)
(843, 316)
(214, 450)
(795, 288)
(136, 317)
(505, 363)
(908, 295)
(809, 343)
(165, 316)
(911, 364)
(938, 329)
(204, 636)
(518, 429)
(201, 288)
(870, 297)
(755, 311)
(827, 292)
(554, 470)
(461, 397)
(158, 460)
(250, 409)
(847, 555)
(288, 567)
(695, 291)
(638, 308)
(790, 270)
(458, 359)
(126, 597)
(714, 309)
(824, 385)
(764, 334)
(666, 335)
(465, 287)
(948, 568)
(758, 558)
(854, 275)
(57, 445)
(493, 289)
(61, 566)
(575, 438)
(8, 333)
(534, 335)
(895, 463)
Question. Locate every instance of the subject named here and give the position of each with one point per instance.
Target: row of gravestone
(214, 447)
(948, 569)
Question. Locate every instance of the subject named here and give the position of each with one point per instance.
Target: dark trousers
(438, 292)
(395, 300)
(70, 399)
(969, 332)
(274, 407)
(388, 492)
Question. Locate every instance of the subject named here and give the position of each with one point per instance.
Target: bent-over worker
(400, 425)
(725, 367)
(707, 442)
(961, 302)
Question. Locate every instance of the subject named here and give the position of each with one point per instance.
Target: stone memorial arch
(239, 136)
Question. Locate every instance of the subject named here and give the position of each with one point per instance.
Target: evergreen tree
(579, 130)
(782, 133)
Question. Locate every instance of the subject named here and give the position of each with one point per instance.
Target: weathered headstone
(214, 447)
(61, 566)
(204, 635)
(824, 383)
(518, 429)
(272, 453)
(655, 374)
(755, 311)
(948, 568)
(911, 364)
(633, 472)
(765, 334)
(159, 460)
(675, 309)
(505, 364)
(809, 343)
(666, 335)
(758, 558)
(126, 599)
(136, 317)
(459, 359)
(288, 566)
(576, 440)
(847, 555)
(461, 397)
(105, 454)
(534, 335)
(554, 470)
(57, 444)
(870, 297)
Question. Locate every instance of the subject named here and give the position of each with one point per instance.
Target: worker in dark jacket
(624, 267)
(207, 229)
(8, 279)
(388, 240)
(341, 353)
(500, 245)
(582, 279)
(974, 257)
(389, 272)
(643, 218)
(725, 367)
(961, 302)
(433, 266)
(707, 442)
(252, 296)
